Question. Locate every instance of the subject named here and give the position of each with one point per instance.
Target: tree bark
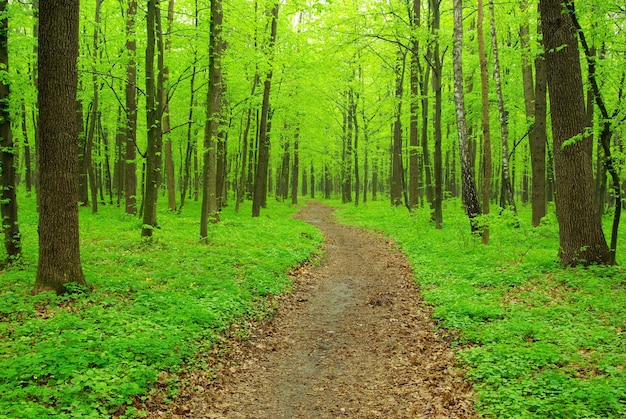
(153, 151)
(470, 198)
(260, 184)
(437, 69)
(484, 83)
(396, 152)
(130, 179)
(169, 157)
(12, 240)
(507, 186)
(59, 244)
(581, 237)
(296, 168)
(213, 122)
(414, 169)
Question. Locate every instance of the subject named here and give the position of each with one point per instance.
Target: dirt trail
(353, 340)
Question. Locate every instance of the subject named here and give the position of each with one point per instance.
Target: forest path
(352, 340)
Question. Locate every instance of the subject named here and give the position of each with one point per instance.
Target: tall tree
(484, 82)
(12, 241)
(213, 122)
(168, 154)
(507, 187)
(260, 184)
(153, 112)
(470, 198)
(581, 237)
(397, 170)
(437, 69)
(59, 245)
(130, 178)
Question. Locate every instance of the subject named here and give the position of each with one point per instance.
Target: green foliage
(154, 306)
(538, 340)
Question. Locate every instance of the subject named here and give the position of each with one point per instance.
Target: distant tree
(12, 241)
(581, 237)
(59, 246)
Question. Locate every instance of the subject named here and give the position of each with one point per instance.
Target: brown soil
(354, 339)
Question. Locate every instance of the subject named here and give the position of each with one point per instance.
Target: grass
(154, 306)
(537, 340)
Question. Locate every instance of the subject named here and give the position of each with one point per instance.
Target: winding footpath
(353, 340)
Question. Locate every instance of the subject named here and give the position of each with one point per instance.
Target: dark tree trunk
(312, 181)
(83, 177)
(437, 87)
(213, 122)
(27, 159)
(260, 184)
(12, 240)
(414, 169)
(396, 152)
(59, 244)
(296, 168)
(580, 231)
(153, 107)
(486, 129)
(167, 148)
(130, 178)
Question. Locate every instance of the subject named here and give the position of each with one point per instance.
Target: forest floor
(353, 339)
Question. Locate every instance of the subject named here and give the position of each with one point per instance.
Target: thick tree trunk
(153, 107)
(130, 179)
(59, 244)
(470, 198)
(484, 83)
(12, 240)
(580, 231)
(260, 184)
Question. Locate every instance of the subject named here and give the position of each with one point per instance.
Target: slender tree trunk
(296, 168)
(396, 160)
(541, 174)
(312, 181)
(414, 169)
(27, 158)
(169, 157)
(437, 87)
(470, 199)
(487, 163)
(580, 231)
(213, 122)
(83, 176)
(130, 178)
(12, 240)
(59, 244)
(507, 186)
(260, 184)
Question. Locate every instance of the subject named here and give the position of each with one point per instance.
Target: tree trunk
(507, 186)
(12, 240)
(260, 184)
(27, 158)
(437, 69)
(296, 168)
(312, 181)
(396, 152)
(153, 107)
(414, 169)
(484, 83)
(580, 231)
(470, 199)
(169, 157)
(130, 178)
(213, 122)
(59, 244)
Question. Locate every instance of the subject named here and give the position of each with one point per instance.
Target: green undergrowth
(154, 306)
(537, 340)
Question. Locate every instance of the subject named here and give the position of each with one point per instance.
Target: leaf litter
(353, 339)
